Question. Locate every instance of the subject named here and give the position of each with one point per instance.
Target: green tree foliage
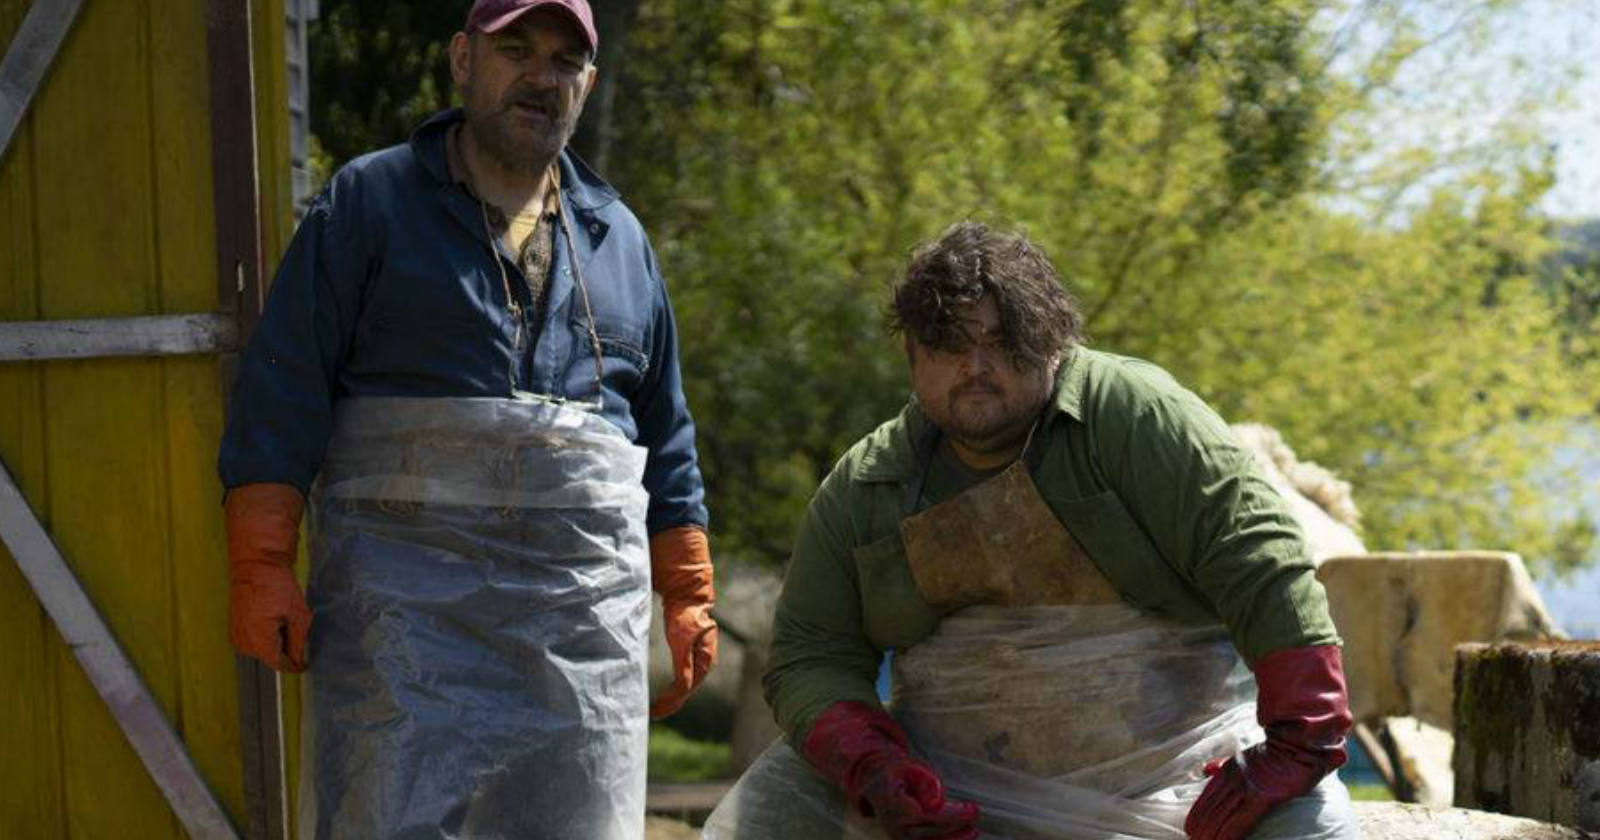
(1421, 363)
(1199, 172)
(377, 70)
(1573, 279)
(1236, 189)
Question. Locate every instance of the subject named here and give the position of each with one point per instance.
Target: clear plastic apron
(1063, 712)
(480, 591)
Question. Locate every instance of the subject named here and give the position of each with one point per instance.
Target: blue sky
(1561, 30)
(1553, 50)
(1528, 68)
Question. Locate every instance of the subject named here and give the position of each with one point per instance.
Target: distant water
(1575, 602)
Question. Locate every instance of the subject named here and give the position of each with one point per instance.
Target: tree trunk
(593, 139)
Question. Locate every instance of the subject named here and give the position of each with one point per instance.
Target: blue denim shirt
(389, 289)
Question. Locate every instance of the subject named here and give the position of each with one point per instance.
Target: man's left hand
(680, 569)
(1302, 704)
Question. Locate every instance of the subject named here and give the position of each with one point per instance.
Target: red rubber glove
(863, 751)
(1302, 704)
(267, 614)
(680, 569)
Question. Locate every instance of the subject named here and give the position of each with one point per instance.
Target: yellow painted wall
(106, 210)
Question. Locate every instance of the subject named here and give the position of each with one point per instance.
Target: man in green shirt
(1089, 503)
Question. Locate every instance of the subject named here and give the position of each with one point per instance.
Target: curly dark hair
(1039, 317)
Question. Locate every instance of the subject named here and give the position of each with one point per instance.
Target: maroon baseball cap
(495, 15)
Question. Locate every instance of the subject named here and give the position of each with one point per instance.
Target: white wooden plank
(153, 335)
(108, 667)
(28, 58)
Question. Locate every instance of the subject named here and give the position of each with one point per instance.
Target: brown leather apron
(998, 543)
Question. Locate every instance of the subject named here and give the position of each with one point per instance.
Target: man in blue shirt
(481, 259)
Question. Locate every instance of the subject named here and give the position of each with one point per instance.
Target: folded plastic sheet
(480, 589)
(1062, 723)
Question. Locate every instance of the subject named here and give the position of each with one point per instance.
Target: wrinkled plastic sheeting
(1066, 723)
(481, 600)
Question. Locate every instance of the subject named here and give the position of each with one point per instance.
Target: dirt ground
(661, 828)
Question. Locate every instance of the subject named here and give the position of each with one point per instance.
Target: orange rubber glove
(680, 569)
(267, 614)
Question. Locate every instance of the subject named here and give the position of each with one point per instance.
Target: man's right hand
(267, 614)
(861, 749)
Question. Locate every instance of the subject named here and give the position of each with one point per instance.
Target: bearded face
(975, 393)
(523, 88)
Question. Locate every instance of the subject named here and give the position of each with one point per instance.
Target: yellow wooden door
(107, 210)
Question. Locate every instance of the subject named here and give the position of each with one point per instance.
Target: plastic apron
(481, 600)
(1063, 712)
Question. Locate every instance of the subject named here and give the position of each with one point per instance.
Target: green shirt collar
(891, 454)
(1071, 381)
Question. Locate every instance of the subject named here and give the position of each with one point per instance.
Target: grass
(674, 758)
(1370, 793)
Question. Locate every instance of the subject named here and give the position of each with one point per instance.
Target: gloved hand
(680, 569)
(267, 614)
(862, 750)
(1302, 704)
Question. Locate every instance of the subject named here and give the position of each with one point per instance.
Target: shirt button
(594, 228)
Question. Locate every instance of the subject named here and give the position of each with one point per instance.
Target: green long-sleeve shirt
(1160, 494)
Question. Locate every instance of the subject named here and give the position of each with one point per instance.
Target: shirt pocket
(893, 612)
(619, 336)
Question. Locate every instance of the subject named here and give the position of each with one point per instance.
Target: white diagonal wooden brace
(93, 338)
(109, 669)
(27, 59)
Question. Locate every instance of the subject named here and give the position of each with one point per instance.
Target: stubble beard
(513, 148)
(994, 425)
